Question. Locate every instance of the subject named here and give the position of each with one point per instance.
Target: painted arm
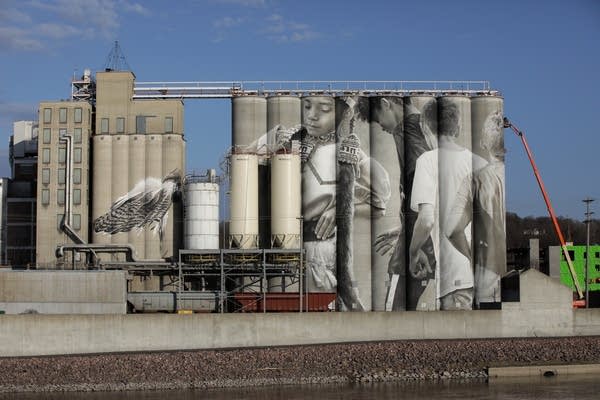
(419, 264)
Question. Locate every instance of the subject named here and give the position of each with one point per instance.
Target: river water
(583, 387)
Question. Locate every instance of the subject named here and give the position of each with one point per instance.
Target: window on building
(45, 197)
(62, 155)
(59, 218)
(60, 196)
(62, 115)
(120, 125)
(61, 176)
(47, 115)
(76, 196)
(45, 176)
(62, 132)
(168, 124)
(104, 125)
(77, 117)
(76, 175)
(46, 156)
(77, 135)
(76, 221)
(77, 155)
(47, 136)
(140, 124)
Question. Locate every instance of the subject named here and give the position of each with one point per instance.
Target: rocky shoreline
(319, 364)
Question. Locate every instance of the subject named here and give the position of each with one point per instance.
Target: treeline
(520, 230)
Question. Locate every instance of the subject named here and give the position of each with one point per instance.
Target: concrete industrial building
(19, 197)
(61, 162)
(104, 144)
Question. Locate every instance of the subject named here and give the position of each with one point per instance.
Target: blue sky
(544, 56)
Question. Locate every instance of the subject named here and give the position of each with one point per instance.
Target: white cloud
(245, 3)
(18, 39)
(57, 31)
(12, 15)
(279, 29)
(136, 8)
(51, 21)
(227, 22)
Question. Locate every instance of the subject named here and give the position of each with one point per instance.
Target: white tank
(201, 210)
(243, 228)
(286, 204)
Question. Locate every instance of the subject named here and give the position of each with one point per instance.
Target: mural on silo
(147, 204)
(402, 198)
(363, 186)
(387, 220)
(484, 195)
(422, 227)
(317, 152)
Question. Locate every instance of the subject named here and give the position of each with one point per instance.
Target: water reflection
(584, 387)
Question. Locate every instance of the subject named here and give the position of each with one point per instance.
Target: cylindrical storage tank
(282, 111)
(243, 228)
(173, 163)
(101, 190)
(420, 136)
(249, 121)
(285, 201)
(137, 182)
(154, 176)
(455, 166)
(356, 193)
(388, 256)
(488, 198)
(120, 177)
(319, 182)
(201, 210)
(283, 119)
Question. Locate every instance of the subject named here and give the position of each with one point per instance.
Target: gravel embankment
(335, 363)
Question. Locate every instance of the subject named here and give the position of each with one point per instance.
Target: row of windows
(62, 155)
(62, 115)
(47, 135)
(75, 223)
(60, 196)
(61, 176)
(140, 125)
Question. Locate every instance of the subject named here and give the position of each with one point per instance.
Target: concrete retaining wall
(26, 335)
(63, 292)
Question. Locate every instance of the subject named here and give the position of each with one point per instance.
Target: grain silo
(455, 166)
(249, 124)
(488, 199)
(420, 136)
(137, 179)
(388, 265)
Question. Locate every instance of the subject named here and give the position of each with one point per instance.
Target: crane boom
(538, 177)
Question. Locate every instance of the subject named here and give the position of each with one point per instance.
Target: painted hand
(419, 265)
(386, 241)
(326, 224)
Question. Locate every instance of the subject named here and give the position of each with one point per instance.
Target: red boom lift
(521, 135)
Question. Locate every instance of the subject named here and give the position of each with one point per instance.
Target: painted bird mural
(146, 204)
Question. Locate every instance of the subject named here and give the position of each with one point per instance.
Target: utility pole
(588, 220)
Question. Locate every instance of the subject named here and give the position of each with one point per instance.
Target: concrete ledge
(543, 370)
(39, 334)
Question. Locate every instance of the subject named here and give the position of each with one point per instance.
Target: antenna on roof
(116, 60)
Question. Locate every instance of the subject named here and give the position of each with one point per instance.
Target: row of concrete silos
(131, 186)
(367, 255)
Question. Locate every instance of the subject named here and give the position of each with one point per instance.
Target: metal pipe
(66, 222)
